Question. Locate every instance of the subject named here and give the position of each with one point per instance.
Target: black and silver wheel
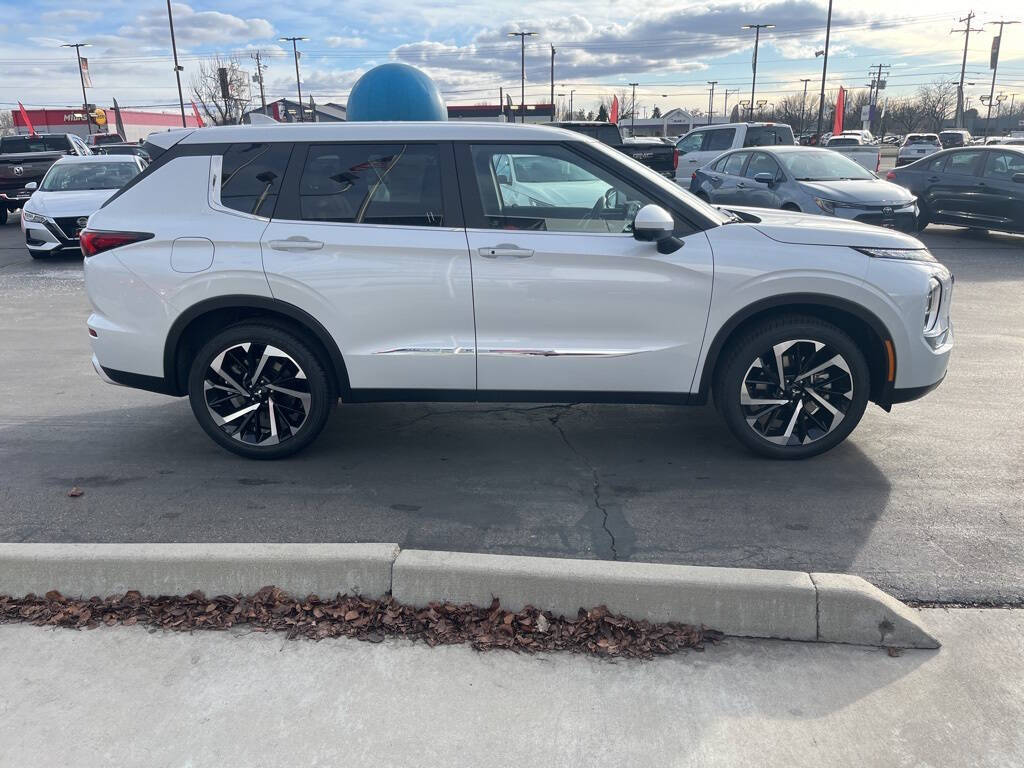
(259, 391)
(793, 388)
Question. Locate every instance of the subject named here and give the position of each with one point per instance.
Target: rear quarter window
(251, 175)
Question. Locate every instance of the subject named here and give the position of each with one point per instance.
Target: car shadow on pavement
(643, 483)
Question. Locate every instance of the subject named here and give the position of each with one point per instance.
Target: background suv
(267, 271)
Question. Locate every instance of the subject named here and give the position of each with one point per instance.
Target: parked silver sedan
(808, 179)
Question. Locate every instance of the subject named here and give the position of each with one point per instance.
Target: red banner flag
(837, 122)
(24, 116)
(613, 116)
(195, 111)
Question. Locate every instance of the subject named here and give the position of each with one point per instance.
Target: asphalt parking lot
(927, 502)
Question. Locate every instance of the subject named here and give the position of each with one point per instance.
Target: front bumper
(13, 199)
(43, 238)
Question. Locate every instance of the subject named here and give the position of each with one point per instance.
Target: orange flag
(613, 116)
(837, 123)
(195, 111)
(24, 116)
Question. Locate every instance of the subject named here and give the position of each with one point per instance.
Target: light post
(757, 39)
(632, 112)
(81, 77)
(996, 45)
(522, 71)
(177, 67)
(298, 81)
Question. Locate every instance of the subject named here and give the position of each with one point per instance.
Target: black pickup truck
(28, 158)
(662, 158)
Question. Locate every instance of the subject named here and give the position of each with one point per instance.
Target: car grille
(904, 222)
(68, 225)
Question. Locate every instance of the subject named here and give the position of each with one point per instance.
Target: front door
(953, 198)
(368, 239)
(566, 299)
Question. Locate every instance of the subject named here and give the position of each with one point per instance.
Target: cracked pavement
(927, 502)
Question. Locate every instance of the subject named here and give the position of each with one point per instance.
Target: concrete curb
(791, 605)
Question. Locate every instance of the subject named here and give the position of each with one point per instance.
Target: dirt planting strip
(595, 631)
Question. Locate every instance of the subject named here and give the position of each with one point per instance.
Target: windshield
(922, 138)
(845, 141)
(668, 186)
(79, 176)
(821, 165)
(537, 169)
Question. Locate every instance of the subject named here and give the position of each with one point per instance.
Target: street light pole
(824, 69)
(757, 39)
(298, 81)
(995, 68)
(81, 77)
(711, 99)
(522, 71)
(177, 67)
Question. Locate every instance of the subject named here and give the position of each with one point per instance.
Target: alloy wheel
(797, 392)
(257, 394)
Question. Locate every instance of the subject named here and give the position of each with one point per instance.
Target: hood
(860, 191)
(76, 203)
(810, 229)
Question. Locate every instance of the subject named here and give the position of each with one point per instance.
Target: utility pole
(259, 79)
(632, 111)
(966, 31)
(824, 68)
(571, 92)
(298, 81)
(711, 99)
(81, 77)
(177, 67)
(994, 63)
(757, 39)
(522, 71)
(725, 108)
(877, 84)
(803, 102)
(552, 83)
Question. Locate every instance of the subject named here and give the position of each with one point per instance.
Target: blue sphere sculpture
(395, 92)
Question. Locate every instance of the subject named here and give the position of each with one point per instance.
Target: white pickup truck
(854, 146)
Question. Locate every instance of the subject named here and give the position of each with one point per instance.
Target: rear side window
(720, 139)
(251, 176)
(965, 163)
(608, 134)
(397, 184)
(734, 163)
(56, 144)
(768, 136)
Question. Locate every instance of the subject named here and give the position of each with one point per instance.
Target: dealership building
(138, 124)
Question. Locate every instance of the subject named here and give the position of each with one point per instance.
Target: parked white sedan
(73, 189)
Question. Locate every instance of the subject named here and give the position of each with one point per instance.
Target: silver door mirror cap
(31, 186)
(653, 223)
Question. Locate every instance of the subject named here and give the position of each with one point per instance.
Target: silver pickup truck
(867, 156)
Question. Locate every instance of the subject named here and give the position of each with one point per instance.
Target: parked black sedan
(977, 187)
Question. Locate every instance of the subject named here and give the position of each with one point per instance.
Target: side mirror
(32, 185)
(653, 224)
(764, 178)
(1018, 177)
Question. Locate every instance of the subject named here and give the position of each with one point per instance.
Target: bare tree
(936, 103)
(904, 115)
(656, 112)
(207, 92)
(6, 122)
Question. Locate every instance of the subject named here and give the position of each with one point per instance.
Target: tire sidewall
(321, 402)
(743, 354)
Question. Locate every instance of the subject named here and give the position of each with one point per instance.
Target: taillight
(693, 176)
(890, 175)
(93, 242)
(675, 158)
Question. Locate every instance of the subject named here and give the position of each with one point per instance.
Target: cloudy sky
(670, 49)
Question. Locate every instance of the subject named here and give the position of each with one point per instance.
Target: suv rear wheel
(792, 388)
(259, 391)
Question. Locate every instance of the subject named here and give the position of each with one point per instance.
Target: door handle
(506, 249)
(296, 243)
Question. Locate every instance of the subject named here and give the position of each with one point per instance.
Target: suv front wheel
(793, 387)
(259, 391)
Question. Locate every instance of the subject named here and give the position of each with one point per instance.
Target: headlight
(27, 215)
(904, 254)
(826, 205)
(931, 310)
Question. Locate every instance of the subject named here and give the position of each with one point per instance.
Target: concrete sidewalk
(124, 696)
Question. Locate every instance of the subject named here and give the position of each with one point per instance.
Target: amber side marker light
(891, 355)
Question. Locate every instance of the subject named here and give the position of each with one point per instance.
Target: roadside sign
(994, 58)
(865, 113)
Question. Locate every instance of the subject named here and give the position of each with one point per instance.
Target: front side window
(82, 176)
(720, 139)
(1003, 165)
(692, 142)
(553, 190)
(251, 176)
(938, 163)
(964, 163)
(734, 163)
(397, 184)
(762, 163)
(768, 136)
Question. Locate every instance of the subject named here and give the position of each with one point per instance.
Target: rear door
(566, 299)
(368, 238)
(731, 186)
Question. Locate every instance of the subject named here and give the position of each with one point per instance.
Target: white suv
(267, 271)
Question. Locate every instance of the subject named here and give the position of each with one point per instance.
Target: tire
(277, 414)
(800, 420)
(923, 216)
(3, 215)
